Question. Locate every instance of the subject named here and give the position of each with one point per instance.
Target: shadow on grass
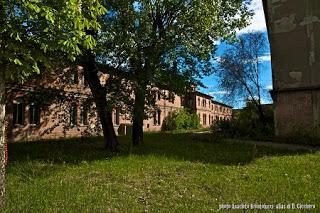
(180, 147)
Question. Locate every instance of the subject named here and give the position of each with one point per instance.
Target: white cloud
(265, 58)
(269, 87)
(218, 93)
(258, 22)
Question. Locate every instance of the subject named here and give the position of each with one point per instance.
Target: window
(171, 97)
(159, 117)
(204, 119)
(84, 115)
(34, 113)
(117, 117)
(84, 81)
(18, 112)
(73, 115)
(198, 101)
(155, 119)
(204, 103)
(74, 77)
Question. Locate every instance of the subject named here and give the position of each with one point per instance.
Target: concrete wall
(294, 35)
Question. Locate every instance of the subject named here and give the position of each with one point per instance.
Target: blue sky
(257, 24)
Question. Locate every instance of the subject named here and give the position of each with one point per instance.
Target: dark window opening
(171, 97)
(18, 112)
(73, 115)
(117, 117)
(204, 119)
(34, 113)
(74, 77)
(159, 117)
(155, 118)
(84, 115)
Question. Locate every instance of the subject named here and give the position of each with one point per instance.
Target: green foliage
(34, 33)
(169, 173)
(246, 125)
(181, 120)
(301, 134)
(167, 43)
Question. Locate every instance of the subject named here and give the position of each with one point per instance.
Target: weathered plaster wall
(294, 32)
(294, 35)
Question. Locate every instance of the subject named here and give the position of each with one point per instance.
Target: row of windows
(203, 103)
(157, 96)
(34, 114)
(83, 119)
(74, 79)
(19, 113)
(84, 111)
(211, 119)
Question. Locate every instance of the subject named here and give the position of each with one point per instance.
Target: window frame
(34, 113)
(17, 111)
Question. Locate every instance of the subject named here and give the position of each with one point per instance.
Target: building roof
(203, 94)
(211, 98)
(217, 102)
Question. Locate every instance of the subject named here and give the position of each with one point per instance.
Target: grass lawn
(168, 173)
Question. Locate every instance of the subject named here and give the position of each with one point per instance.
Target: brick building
(294, 32)
(74, 117)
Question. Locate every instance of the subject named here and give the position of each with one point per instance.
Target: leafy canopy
(164, 42)
(37, 32)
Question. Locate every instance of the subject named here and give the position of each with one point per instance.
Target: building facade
(294, 32)
(66, 111)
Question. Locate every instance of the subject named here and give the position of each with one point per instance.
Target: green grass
(168, 173)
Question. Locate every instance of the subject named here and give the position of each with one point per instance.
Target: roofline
(217, 102)
(211, 99)
(202, 94)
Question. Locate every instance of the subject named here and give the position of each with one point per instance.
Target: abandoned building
(294, 35)
(71, 116)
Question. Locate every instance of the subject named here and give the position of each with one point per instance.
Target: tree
(164, 43)
(240, 70)
(35, 33)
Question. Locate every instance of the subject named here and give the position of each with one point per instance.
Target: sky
(257, 24)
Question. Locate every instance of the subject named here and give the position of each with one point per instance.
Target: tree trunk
(2, 140)
(99, 95)
(138, 115)
(261, 115)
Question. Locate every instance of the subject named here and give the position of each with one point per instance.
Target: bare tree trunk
(138, 115)
(99, 95)
(2, 139)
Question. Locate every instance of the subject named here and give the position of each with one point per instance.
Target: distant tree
(35, 33)
(164, 44)
(240, 70)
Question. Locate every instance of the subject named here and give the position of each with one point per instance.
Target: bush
(302, 135)
(181, 120)
(245, 126)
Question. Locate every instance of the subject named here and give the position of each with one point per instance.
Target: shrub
(301, 134)
(246, 125)
(181, 119)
